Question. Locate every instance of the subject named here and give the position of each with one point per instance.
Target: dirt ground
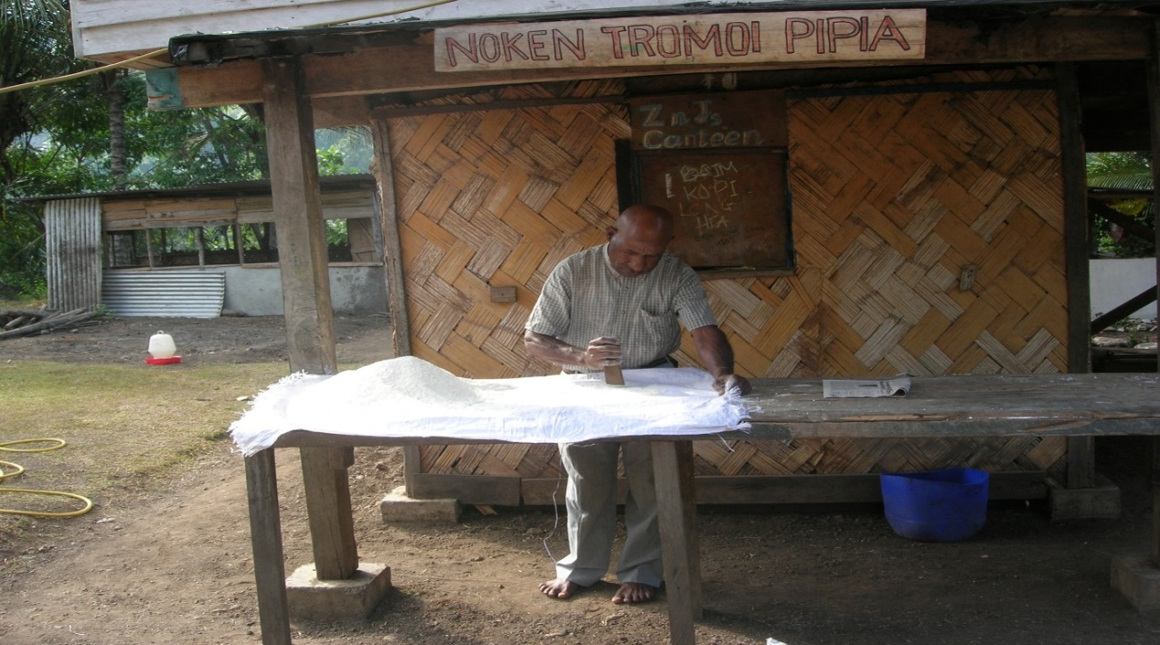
(175, 566)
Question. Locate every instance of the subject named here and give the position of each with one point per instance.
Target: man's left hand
(726, 382)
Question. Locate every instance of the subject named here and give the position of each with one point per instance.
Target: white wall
(358, 290)
(1114, 282)
(104, 27)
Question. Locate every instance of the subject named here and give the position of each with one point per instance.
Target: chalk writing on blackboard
(705, 122)
(717, 162)
(729, 205)
(706, 192)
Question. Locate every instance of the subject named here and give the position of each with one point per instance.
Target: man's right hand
(602, 352)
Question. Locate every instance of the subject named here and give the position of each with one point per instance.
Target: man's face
(633, 252)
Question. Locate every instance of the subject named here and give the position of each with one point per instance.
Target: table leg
(1154, 482)
(327, 488)
(266, 538)
(677, 516)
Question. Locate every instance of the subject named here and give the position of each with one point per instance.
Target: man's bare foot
(559, 589)
(633, 592)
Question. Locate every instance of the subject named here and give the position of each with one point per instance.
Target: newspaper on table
(866, 388)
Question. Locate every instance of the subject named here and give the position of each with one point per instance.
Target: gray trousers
(591, 503)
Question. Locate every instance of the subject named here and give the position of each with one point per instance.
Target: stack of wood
(22, 322)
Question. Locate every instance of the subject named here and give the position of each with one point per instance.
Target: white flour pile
(409, 397)
(403, 379)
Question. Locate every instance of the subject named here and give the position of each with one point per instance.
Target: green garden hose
(17, 469)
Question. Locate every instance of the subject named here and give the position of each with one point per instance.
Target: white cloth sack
(409, 397)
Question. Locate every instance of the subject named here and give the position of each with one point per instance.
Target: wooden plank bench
(945, 407)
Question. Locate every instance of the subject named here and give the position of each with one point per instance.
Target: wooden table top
(971, 405)
(963, 405)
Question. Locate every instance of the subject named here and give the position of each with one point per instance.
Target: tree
(34, 44)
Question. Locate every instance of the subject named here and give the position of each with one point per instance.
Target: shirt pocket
(653, 335)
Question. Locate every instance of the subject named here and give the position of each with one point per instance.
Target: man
(619, 304)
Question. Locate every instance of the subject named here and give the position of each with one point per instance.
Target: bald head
(645, 221)
(639, 239)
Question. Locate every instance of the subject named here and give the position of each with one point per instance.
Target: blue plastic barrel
(936, 506)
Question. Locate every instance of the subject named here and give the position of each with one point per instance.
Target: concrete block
(337, 600)
(397, 507)
(1139, 580)
(1101, 501)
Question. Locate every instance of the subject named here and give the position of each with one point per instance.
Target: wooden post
(302, 260)
(236, 232)
(677, 516)
(392, 244)
(1154, 119)
(199, 240)
(1080, 450)
(266, 537)
(384, 171)
(298, 221)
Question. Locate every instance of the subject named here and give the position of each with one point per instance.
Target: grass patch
(21, 303)
(124, 424)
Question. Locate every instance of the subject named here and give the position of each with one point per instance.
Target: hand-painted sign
(798, 37)
(754, 119)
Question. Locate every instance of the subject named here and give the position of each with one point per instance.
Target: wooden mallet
(613, 375)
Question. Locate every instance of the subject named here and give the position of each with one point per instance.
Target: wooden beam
(302, 259)
(773, 490)
(1130, 226)
(384, 173)
(1154, 118)
(340, 111)
(1076, 235)
(677, 516)
(326, 484)
(396, 278)
(266, 538)
(1124, 310)
(467, 489)
(1081, 465)
(297, 204)
(411, 67)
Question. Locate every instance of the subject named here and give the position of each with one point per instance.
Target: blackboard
(729, 204)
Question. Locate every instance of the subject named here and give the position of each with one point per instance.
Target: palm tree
(1122, 174)
(34, 44)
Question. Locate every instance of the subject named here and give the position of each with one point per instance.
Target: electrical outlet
(967, 276)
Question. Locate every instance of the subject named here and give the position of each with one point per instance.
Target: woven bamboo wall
(892, 194)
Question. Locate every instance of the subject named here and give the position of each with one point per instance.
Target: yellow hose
(58, 444)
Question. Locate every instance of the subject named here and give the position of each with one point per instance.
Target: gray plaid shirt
(585, 298)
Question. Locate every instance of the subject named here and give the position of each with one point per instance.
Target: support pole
(266, 537)
(1154, 118)
(302, 259)
(677, 516)
(1080, 450)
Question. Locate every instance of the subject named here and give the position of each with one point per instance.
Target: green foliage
(193, 147)
(344, 151)
(336, 232)
(1127, 171)
(34, 44)
(55, 140)
(22, 262)
(330, 162)
(1123, 170)
(68, 153)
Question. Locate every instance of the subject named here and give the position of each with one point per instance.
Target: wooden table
(945, 407)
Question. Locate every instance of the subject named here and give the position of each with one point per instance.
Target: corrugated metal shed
(72, 233)
(175, 294)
